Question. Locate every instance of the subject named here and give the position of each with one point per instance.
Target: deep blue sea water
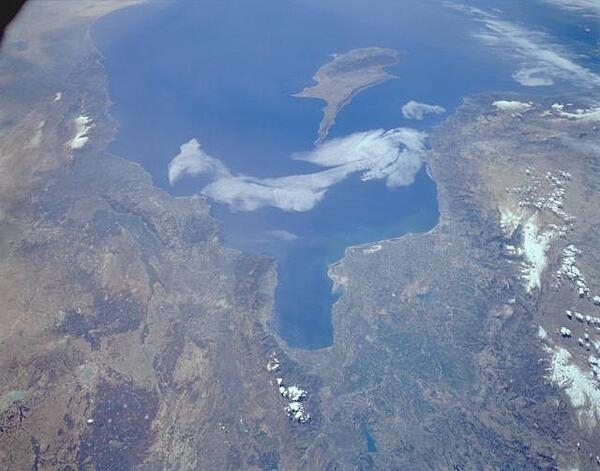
(224, 72)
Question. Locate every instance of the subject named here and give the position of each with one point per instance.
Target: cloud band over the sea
(392, 156)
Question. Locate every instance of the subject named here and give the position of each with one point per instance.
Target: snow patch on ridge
(82, 127)
(534, 247)
(510, 220)
(578, 385)
(36, 139)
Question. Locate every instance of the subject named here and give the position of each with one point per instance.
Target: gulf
(224, 72)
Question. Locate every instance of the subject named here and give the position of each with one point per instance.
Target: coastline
(316, 307)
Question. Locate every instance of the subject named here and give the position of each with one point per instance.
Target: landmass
(476, 345)
(133, 339)
(340, 80)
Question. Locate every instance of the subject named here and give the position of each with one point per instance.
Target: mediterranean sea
(224, 72)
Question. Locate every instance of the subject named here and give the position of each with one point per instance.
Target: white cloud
(579, 114)
(468, 9)
(579, 6)
(540, 60)
(416, 110)
(193, 161)
(532, 77)
(280, 234)
(293, 193)
(392, 155)
(511, 106)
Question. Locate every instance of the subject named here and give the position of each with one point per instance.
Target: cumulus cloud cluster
(541, 61)
(393, 156)
(416, 110)
(580, 114)
(511, 105)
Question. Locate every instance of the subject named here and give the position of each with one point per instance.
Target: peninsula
(340, 80)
